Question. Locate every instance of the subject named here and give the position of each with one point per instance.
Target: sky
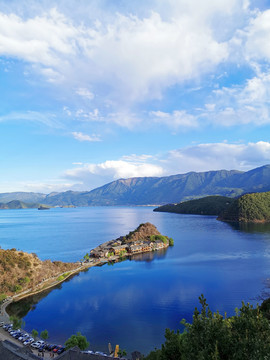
(96, 90)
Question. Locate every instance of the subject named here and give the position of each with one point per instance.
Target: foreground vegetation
(245, 336)
(249, 208)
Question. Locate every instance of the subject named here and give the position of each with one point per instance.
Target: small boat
(43, 207)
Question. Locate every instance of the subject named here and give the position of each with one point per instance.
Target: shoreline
(4, 316)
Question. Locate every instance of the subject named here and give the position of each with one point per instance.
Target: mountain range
(157, 190)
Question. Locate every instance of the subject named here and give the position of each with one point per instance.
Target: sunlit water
(131, 303)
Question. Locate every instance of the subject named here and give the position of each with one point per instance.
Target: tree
(77, 340)
(34, 333)
(86, 257)
(245, 336)
(44, 334)
(17, 323)
(122, 352)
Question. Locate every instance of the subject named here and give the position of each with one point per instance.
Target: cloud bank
(202, 157)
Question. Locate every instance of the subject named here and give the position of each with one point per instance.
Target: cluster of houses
(121, 247)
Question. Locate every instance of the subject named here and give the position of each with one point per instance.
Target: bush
(245, 336)
(62, 277)
(17, 323)
(77, 340)
(2, 297)
(163, 238)
(34, 333)
(44, 334)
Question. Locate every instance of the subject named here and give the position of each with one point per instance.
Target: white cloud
(123, 118)
(137, 158)
(84, 137)
(47, 119)
(85, 93)
(127, 59)
(216, 156)
(45, 187)
(89, 115)
(240, 105)
(201, 157)
(42, 39)
(93, 175)
(256, 36)
(176, 119)
(131, 58)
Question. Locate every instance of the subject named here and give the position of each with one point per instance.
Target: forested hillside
(249, 208)
(209, 205)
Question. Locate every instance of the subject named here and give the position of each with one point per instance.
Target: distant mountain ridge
(158, 190)
(17, 204)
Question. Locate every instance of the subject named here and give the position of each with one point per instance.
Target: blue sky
(96, 90)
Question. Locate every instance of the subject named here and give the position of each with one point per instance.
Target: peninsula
(254, 207)
(145, 238)
(23, 274)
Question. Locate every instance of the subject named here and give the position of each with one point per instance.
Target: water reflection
(132, 302)
(251, 227)
(149, 256)
(22, 307)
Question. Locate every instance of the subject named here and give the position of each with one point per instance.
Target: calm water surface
(131, 303)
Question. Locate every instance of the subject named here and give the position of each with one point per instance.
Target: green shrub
(63, 276)
(245, 336)
(77, 340)
(163, 238)
(2, 297)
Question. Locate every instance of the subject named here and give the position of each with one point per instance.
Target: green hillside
(209, 205)
(249, 208)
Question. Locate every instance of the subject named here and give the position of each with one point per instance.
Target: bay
(132, 302)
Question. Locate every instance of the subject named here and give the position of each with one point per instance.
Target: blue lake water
(132, 302)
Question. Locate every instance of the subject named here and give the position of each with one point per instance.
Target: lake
(132, 302)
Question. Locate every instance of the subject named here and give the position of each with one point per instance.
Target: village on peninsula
(144, 239)
(29, 275)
